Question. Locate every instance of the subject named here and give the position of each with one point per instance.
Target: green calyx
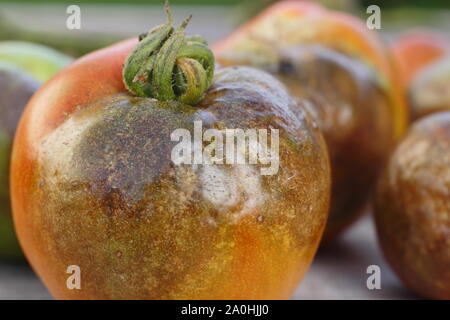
(168, 65)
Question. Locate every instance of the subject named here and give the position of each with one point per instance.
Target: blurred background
(106, 21)
(339, 271)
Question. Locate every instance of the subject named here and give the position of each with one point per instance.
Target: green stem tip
(168, 65)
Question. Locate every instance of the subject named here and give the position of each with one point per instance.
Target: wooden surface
(338, 272)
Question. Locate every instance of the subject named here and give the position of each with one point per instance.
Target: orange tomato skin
(87, 80)
(412, 210)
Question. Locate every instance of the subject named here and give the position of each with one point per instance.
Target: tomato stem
(168, 65)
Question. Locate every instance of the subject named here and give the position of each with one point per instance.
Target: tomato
(412, 211)
(94, 184)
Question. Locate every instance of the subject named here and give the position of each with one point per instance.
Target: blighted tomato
(412, 207)
(430, 89)
(95, 184)
(331, 62)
